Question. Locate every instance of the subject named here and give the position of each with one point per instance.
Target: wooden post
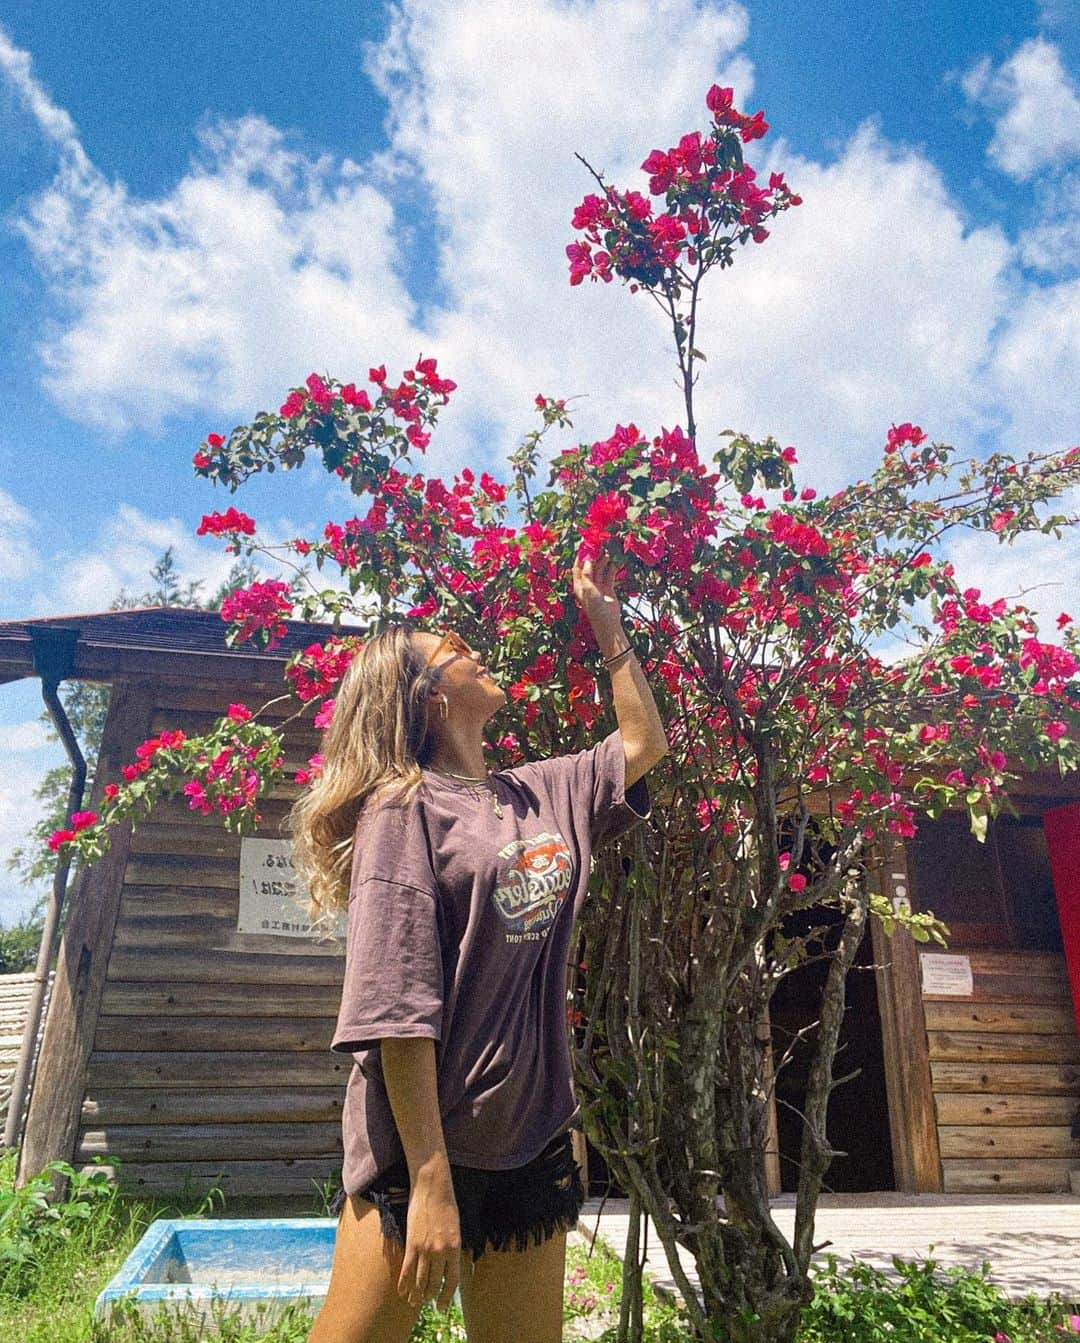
(52, 1121)
(912, 1119)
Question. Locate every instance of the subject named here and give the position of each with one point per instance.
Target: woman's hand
(432, 1245)
(594, 592)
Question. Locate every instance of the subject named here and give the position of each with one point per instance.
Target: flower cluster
(147, 750)
(350, 428)
(80, 820)
(711, 202)
(225, 524)
(258, 610)
(318, 398)
(318, 668)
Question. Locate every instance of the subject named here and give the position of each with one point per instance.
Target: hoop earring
(444, 708)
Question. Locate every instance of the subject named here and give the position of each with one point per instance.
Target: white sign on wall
(273, 899)
(947, 975)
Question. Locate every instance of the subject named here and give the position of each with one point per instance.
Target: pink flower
(1056, 730)
(222, 524)
(215, 440)
(352, 397)
(239, 713)
(320, 393)
(81, 819)
(788, 455)
(904, 433)
(59, 837)
(315, 764)
(719, 100)
(753, 128)
(293, 405)
(797, 881)
(111, 790)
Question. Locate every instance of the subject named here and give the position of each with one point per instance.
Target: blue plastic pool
(257, 1265)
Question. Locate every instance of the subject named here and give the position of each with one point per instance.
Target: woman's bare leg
(516, 1296)
(362, 1303)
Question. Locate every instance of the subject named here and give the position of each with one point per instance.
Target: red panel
(1062, 826)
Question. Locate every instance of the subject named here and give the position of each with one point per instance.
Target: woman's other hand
(432, 1266)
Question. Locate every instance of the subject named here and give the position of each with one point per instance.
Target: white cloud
(17, 738)
(874, 301)
(260, 263)
(1052, 243)
(1037, 107)
(1036, 367)
(17, 557)
(1041, 572)
(121, 555)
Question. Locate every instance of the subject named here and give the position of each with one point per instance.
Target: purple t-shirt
(459, 930)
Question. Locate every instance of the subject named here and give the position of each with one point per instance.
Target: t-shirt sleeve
(596, 778)
(393, 982)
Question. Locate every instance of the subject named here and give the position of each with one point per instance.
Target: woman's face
(464, 678)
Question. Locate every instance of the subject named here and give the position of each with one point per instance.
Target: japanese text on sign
(273, 899)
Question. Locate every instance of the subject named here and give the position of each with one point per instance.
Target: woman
(462, 890)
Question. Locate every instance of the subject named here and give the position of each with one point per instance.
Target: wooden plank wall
(15, 991)
(211, 1060)
(1005, 1065)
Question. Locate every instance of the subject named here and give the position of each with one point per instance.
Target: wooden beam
(978, 1140)
(1048, 1175)
(52, 1122)
(289, 1176)
(1003, 1047)
(908, 1083)
(1007, 1111)
(1029, 1079)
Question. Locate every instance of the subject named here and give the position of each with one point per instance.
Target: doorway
(858, 1114)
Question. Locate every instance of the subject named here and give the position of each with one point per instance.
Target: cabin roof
(165, 641)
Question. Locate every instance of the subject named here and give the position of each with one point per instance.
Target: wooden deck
(1032, 1242)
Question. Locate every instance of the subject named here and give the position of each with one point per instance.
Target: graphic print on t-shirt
(534, 877)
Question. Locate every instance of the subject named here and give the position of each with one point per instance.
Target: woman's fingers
(423, 1267)
(450, 1284)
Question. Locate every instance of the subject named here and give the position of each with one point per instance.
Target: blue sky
(202, 204)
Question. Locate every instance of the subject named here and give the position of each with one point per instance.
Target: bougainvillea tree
(763, 616)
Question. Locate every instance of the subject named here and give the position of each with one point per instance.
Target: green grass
(56, 1258)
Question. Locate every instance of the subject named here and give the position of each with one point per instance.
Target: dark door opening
(858, 1115)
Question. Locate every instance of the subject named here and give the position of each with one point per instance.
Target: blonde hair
(372, 753)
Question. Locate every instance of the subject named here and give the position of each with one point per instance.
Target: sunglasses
(454, 642)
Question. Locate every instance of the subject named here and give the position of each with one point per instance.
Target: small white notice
(947, 975)
(273, 899)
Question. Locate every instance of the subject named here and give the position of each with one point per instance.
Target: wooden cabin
(186, 1048)
(967, 1057)
(190, 1043)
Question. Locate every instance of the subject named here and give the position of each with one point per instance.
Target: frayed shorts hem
(498, 1209)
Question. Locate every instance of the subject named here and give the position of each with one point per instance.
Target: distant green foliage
(86, 704)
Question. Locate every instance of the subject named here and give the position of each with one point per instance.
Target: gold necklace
(471, 778)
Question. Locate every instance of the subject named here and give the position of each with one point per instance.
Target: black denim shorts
(498, 1209)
